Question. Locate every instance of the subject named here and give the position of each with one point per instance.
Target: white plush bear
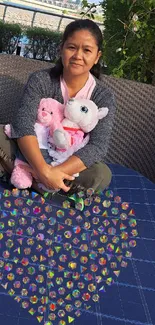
(81, 116)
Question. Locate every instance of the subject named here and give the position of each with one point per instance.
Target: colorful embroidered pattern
(58, 262)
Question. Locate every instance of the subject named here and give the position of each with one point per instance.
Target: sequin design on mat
(57, 262)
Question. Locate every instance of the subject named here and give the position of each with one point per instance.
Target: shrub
(10, 35)
(43, 43)
(129, 37)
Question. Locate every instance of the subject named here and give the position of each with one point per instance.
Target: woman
(74, 75)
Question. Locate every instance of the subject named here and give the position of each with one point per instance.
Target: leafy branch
(129, 42)
(89, 9)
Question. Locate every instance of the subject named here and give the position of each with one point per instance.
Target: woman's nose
(78, 54)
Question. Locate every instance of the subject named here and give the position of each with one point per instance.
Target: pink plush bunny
(49, 117)
(81, 116)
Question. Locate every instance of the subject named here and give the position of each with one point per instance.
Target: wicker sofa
(132, 142)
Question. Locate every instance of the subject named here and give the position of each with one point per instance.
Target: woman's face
(79, 53)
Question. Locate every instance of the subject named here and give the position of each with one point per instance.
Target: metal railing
(58, 23)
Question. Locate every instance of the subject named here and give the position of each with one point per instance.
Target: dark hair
(74, 26)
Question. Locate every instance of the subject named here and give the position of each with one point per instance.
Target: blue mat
(61, 266)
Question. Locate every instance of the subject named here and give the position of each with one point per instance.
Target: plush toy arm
(7, 130)
(55, 126)
(64, 155)
(62, 139)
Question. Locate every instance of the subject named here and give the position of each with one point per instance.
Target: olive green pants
(98, 176)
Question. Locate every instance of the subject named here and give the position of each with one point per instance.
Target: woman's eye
(71, 47)
(87, 50)
(84, 109)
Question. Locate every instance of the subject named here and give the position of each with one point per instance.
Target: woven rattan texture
(14, 72)
(133, 138)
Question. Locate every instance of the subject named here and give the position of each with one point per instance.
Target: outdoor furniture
(132, 142)
(100, 261)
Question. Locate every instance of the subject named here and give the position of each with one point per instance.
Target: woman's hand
(51, 177)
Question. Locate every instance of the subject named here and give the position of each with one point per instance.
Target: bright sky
(95, 1)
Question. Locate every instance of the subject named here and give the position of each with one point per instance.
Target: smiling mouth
(77, 64)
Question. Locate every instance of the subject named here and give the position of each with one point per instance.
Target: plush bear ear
(42, 104)
(102, 112)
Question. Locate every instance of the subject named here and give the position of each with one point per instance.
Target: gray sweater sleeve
(96, 149)
(25, 118)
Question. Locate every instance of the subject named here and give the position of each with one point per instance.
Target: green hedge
(10, 35)
(43, 43)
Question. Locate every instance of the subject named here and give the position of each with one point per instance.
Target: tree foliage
(129, 38)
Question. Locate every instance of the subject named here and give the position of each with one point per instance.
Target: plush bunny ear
(102, 112)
